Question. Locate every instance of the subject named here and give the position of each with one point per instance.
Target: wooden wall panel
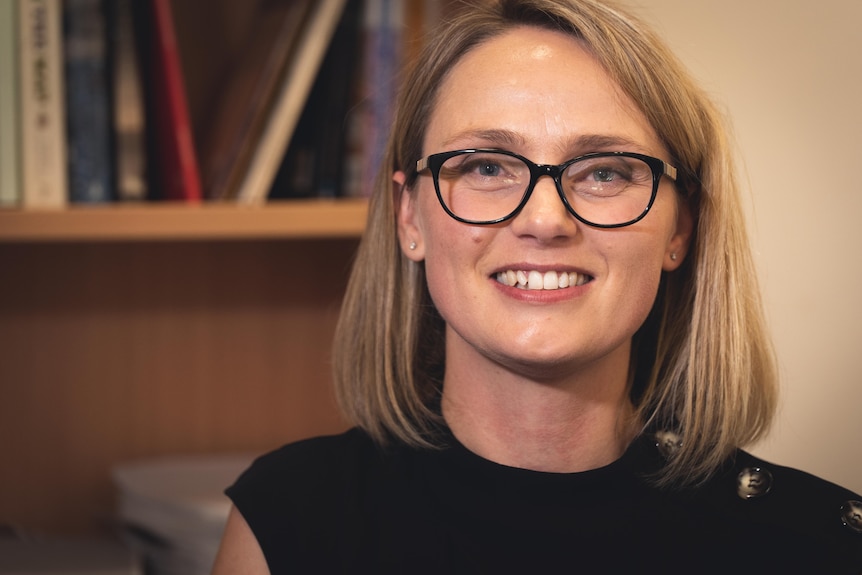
(111, 352)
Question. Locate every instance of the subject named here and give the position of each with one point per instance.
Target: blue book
(88, 102)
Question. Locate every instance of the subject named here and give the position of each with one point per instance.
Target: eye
(488, 169)
(605, 175)
(595, 173)
(481, 166)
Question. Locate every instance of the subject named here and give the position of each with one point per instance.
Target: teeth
(535, 280)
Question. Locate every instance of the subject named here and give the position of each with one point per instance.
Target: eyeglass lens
(488, 186)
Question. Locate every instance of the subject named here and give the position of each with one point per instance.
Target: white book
(290, 102)
(178, 501)
(44, 172)
(10, 182)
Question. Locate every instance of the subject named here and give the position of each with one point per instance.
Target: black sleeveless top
(342, 504)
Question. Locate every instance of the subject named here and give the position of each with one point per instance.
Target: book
(128, 108)
(10, 179)
(88, 102)
(253, 78)
(171, 150)
(371, 117)
(293, 92)
(44, 176)
(312, 166)
(174, 508)
(385, 20)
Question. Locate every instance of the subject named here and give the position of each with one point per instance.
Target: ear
(679, 243)
(410, 234)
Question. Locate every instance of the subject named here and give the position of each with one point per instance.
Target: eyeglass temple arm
(669, 171)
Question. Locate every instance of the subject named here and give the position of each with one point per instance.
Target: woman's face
(542, 95)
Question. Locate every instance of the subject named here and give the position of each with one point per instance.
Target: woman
(552, 345)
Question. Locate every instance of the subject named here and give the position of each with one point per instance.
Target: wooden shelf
(289, 219)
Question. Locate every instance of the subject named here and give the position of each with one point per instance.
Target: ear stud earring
(413, 246)
(673, 256)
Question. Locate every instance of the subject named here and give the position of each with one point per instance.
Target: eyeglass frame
(659, 168)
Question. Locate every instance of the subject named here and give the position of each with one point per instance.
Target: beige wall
(789, 73)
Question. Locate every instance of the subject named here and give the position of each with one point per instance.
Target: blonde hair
(702, 363)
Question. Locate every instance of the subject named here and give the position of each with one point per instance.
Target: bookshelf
(167, 221)
(140, 343)
(139, 330)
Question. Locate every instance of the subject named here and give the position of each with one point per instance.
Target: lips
(537, 280)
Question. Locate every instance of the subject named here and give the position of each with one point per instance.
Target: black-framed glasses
(489, 186)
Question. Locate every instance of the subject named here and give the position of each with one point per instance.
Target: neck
(567, 425)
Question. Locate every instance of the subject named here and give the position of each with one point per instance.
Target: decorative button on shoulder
(753, 482)
(668, 443)
(851, 515)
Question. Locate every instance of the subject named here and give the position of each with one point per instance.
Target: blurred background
(788, 74)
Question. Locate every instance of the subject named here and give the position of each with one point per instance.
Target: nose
(544, 216)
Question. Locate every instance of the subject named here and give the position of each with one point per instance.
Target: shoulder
(792, 493)
(309, 462)
(782, 507)
(299, 500)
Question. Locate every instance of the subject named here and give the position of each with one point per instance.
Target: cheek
(453, 264)
(644, 294)
(636, 268)
(450, 243)
(442, 279)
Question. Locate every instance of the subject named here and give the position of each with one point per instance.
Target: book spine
(87, 102)
(10, 178)
(293, 93)
(371, 118)
(173, 143)
(127, 97)
(339, 74)
(43, 110)
(241, 110)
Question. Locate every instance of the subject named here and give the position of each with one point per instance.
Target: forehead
(537, 85)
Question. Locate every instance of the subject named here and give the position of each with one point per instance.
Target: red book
(176, 174)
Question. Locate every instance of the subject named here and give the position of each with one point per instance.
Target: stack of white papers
(174, 509)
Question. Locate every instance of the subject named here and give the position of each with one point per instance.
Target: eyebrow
(497, 137)
(584, 143)
(602, 143)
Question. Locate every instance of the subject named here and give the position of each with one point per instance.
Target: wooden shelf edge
(289, 219)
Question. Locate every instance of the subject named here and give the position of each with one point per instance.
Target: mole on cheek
(477, 238)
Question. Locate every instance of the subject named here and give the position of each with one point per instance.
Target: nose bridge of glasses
(537, 172)
(554, 172)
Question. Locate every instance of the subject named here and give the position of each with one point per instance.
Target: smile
(535, 280)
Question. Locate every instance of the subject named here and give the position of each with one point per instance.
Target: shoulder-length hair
(702, 364)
